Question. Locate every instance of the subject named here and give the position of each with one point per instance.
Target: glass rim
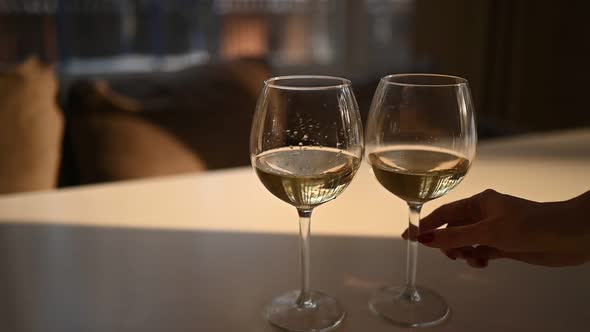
(390, 79)
(272, 82)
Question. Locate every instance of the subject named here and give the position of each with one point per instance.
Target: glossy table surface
(205, 252)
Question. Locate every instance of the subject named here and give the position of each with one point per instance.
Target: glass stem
(410, 292)
(304, 299)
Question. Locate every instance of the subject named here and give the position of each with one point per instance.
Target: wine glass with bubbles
(421, 140)
(306, 145)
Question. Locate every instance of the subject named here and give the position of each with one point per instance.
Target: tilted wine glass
(420, 142)
(306, 145)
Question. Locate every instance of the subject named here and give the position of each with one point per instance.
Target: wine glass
(421, 140)
(306, 145)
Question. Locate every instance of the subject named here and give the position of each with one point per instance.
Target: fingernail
(426, 237)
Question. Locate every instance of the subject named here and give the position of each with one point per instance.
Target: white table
(205, 252)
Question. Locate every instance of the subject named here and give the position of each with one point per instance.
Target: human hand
(492, 225)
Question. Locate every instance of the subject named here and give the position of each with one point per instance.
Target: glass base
(420, 308)
(321, 314)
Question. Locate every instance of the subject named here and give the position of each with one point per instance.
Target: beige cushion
(164, 123)
(31, 127)
(113, 142)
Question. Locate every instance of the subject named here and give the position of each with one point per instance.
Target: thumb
(459, 236)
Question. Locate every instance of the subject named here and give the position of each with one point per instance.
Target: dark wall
(527, 60)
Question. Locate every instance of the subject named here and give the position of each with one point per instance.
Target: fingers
(459, 236)
(477, 257)
(450, 253)
(465, 209)
(413, 230)
(458, 213)
(478, 263)
(461, 253)
(481, 255)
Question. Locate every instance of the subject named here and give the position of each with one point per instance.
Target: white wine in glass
(306, 145)
(418, 174)
(306, 177)
(421, 139)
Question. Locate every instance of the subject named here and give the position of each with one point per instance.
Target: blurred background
(105, 90)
